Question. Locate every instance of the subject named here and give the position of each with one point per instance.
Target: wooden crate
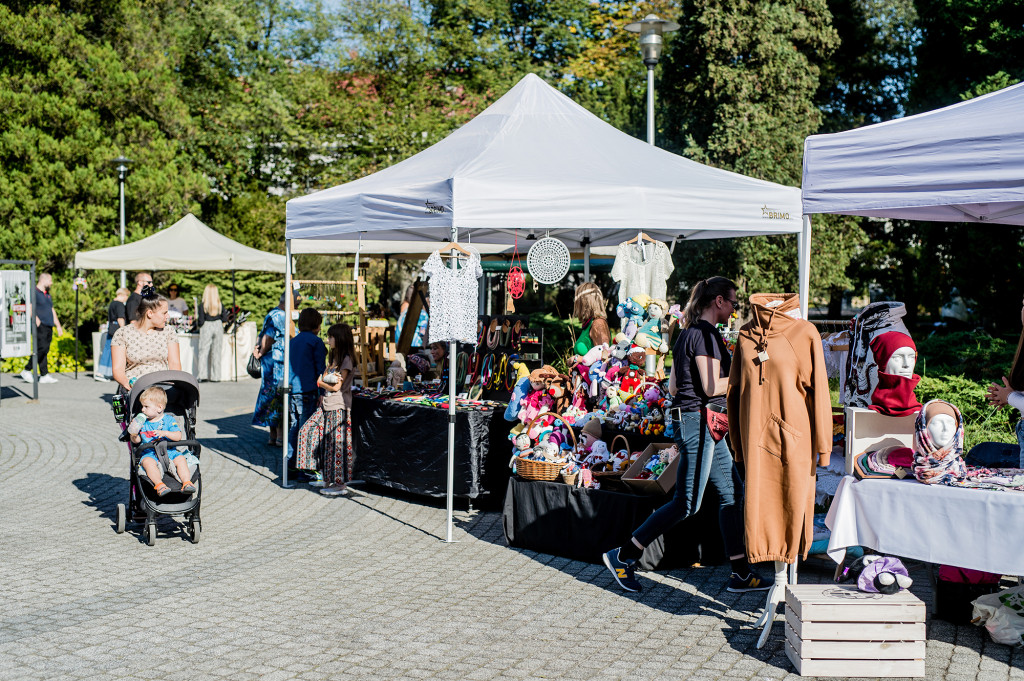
(836, 630)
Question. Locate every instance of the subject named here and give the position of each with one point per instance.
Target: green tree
(740, 81)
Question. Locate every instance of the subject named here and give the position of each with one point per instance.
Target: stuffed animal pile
(657, 464)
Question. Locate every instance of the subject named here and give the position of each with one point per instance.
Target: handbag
(718, 421)
(253, 367)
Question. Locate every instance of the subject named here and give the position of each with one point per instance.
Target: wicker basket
(528, 469)
(570, 478)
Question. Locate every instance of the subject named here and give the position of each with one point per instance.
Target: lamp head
(122, 163)
(651, 30)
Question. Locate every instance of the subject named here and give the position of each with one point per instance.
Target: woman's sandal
(161, 489)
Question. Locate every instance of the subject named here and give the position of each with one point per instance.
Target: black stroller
(144, 504)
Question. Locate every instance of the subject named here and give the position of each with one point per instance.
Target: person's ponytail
(151, 300)
(701, 296)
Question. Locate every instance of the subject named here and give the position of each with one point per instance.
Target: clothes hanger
(641, 236)
(451, 245)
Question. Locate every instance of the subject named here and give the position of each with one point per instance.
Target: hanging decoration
(548, 260)
(516, 280)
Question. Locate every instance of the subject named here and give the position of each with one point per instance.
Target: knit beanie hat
(592, 427)
(884, 345)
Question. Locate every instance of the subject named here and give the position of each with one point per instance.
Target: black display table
(581, 524)
(405, 446)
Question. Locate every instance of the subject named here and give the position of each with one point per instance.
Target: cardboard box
(663, 484)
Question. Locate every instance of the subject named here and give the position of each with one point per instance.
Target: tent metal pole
(76, 335)
(35, 336)
(286, 382)
(586, 258)
(234, 329)
(355, 267)
(804, 264)
(451, 412)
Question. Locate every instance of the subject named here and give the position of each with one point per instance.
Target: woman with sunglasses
(700, 376)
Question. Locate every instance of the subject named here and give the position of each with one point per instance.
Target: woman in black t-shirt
(700, 376)
(116, 317)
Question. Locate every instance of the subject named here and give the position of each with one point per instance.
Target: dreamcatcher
(548, 260)
(515, 283)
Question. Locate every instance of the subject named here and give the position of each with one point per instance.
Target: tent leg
(286, 383)
(452, 349)
(385, 293)
(804, 264)
(234, 329)
(586, 259)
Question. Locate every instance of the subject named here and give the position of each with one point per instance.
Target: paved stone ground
(287, 584)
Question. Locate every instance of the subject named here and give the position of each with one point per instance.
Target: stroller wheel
(151, 534)
(122, 518)
(197, 531)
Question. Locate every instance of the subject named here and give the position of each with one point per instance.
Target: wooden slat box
(836, 630)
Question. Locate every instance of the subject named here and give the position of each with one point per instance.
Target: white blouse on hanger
(637, 276)
(453, 298)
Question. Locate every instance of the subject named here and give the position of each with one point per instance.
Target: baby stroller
(144, 505)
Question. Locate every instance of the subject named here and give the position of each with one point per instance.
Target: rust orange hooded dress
(780, 426)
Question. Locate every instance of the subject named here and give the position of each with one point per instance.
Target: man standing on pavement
(132, 306)
(46, 319)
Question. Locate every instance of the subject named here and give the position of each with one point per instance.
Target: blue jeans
(300, 407)
(701, 460)
(999, 454)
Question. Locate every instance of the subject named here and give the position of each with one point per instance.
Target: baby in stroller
(158, 418)
(153, 425)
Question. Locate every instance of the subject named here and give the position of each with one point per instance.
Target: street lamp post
(122, 164)
(651, 30)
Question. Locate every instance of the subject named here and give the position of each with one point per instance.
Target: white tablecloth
(970, 528)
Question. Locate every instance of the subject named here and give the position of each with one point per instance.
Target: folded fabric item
(959, 575)
(894, 462)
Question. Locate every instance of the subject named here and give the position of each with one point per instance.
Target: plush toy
(594, 354)
(877, 574)
(636, 356)
(611, 401)
(520, 444)
(649, 335)
(598, 457)
(620, 461)
(535, 403)
(633, 379)
(632, 314)
(558, 390)
(515, 402)
(522, 371)
(621, 348)
(590, 434)
(675, 313)
(396, 372)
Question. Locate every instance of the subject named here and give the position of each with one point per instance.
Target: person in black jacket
(210, 318)
(142, 279)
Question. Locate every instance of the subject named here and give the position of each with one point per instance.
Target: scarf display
(935, 465)
(861, 371)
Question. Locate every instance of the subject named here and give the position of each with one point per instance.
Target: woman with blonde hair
(590, 308)
(210, 318)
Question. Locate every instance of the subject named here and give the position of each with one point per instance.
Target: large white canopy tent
(961, 163)
(536, 162)
(189, 245)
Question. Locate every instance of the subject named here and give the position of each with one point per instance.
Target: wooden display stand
(837, 630)
(867, 430)
(374, 352)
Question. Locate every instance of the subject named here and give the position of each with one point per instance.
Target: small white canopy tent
(188, 244)
(961, 163)
(534, 162)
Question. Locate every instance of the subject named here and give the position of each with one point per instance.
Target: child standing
(307, 356)
(153, 425)
(330, 424)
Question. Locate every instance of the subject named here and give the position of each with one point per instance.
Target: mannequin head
(895, 353)
(941, 421)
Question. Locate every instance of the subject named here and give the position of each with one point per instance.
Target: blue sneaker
(752, 582)
(622, 571)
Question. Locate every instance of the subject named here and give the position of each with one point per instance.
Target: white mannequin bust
(941, 428)
(902, 362)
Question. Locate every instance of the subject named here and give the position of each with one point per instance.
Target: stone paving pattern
(287, 584)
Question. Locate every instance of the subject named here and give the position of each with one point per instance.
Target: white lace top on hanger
(453, 298)
(636, 276)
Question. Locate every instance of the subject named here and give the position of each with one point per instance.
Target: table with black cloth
(581, 524)
(405, 446)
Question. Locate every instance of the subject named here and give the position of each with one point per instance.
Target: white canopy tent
(962, 163)
(188, 244)
(536, 162)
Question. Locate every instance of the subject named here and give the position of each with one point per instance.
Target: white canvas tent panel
(961, 163)
(536, 161)
(188, 244)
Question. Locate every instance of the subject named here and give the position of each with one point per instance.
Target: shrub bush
(59, 359)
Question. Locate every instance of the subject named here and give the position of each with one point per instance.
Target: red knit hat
(885, 344)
